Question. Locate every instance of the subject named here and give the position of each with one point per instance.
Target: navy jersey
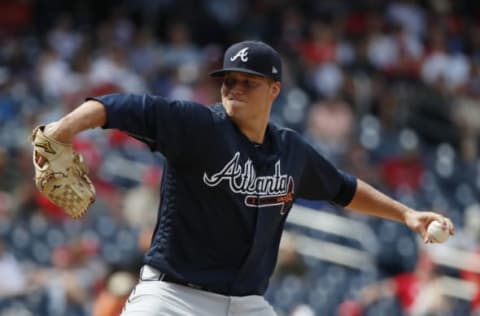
(224, 200)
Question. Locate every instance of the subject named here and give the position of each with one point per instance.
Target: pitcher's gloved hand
(61, 174)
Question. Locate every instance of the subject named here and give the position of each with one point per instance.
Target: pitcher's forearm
(369, 201)
(90, 114)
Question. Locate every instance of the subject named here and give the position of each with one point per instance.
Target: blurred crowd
(388, 90)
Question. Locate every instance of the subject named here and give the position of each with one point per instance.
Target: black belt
(149, 273)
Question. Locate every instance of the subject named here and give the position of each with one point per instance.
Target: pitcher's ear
(275, 88)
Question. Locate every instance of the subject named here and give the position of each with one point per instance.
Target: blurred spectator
(404, 171)
(321, 45)
(8, 175)
(328, 79)
(409, 14)
(381, 48)
(111, 67)
(357, 160)
(452, 70)
(227, 12)
(140, 203)
(14, 281)
(179, 48)
(469, 239)
(330, 126)
(71, 278)
(418, 292)
(289, 261)
(409, 57)
(466, 115)
(24, 192)
(122, 27)
(9, 107)
(472, 88)
(292, 26)
(430, 114)
(145, 55)
(51, 71)
(111, 300)
(63, 39)
(470, 235)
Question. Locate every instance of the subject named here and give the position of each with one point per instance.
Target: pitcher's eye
(229, 82)
(247, 84)
(251, 84)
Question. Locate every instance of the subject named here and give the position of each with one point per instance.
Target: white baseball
(437, 233)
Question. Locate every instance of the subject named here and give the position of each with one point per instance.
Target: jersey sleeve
(321, 180)
(168, 126)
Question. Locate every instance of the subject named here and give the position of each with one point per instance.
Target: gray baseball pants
(159, 298)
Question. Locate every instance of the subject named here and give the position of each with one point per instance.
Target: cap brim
(222, 72)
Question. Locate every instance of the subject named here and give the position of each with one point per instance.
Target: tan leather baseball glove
(62, 176)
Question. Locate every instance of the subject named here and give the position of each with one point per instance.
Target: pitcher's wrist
(59, 131)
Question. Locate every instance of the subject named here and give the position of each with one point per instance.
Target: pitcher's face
(244, 94)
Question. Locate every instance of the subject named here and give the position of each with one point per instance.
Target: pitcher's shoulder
(284, 132)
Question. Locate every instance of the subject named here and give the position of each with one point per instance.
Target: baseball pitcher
(230, 180)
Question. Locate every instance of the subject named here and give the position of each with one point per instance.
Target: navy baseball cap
(253, 57)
